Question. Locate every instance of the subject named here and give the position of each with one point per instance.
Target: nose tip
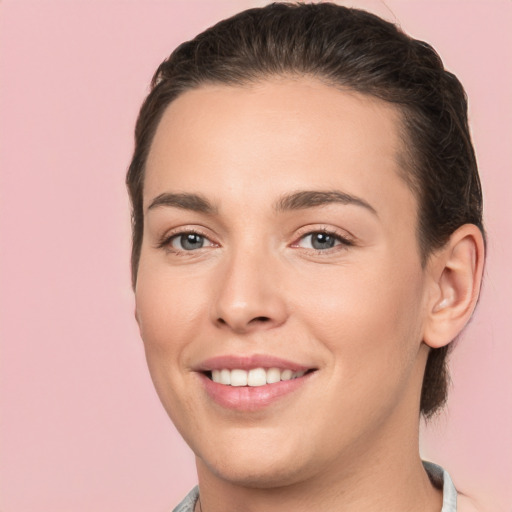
(248, 299)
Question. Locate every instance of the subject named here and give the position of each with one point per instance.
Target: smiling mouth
(254, 377)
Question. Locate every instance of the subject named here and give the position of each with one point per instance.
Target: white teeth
(286, 375)
(225, 377)
(238, 378)
(257, 377)
(254, 378)
(273, 375)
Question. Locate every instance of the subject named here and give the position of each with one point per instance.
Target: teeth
(238, 378)
(273, 375)
(286, 375)
(257, 377)
(225, 377)
(254, 378)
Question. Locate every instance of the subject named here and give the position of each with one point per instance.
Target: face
(280, 292)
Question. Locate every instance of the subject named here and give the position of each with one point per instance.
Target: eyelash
(344, 241)
(166, 241)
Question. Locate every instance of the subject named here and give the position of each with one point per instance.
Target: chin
(254, 458)
(255, 474)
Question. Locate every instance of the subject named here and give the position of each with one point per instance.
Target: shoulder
(188, 504)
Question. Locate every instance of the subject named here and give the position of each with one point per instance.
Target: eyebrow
(295, 201)
(194, 202)
(312, 198)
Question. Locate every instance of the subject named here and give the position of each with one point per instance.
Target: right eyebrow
(193, 202)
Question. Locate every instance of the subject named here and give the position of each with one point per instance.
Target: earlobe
(456, 275)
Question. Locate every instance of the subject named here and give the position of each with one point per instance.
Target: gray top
(438, 476)
(188, 504)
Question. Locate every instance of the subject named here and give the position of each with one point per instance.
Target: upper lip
(249, 362)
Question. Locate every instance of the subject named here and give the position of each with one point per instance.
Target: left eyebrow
(311, 198)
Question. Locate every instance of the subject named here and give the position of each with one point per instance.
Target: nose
(249, 296)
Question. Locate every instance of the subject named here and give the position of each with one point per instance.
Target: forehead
(282, 133)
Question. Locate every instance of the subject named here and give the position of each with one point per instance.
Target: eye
(321, 241)
(188, 241)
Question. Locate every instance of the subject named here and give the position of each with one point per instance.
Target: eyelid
(329, 230)
(344, 238)
(165, 240)
(178, 237)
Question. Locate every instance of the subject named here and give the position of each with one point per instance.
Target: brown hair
(356, 50)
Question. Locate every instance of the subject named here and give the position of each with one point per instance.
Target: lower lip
(248, 398)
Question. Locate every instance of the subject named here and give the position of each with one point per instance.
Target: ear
(455, 273)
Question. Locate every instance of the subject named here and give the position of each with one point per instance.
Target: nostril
(260, 319)
(242, 324)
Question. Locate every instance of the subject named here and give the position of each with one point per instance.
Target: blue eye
(189, 241)
(322, 240)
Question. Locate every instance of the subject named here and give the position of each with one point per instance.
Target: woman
(307, 243)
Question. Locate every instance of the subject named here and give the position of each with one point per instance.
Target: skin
(362, 314)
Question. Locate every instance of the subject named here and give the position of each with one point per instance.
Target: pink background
(81, 426)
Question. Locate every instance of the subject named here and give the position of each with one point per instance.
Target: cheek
(369, 318)
(167, 313)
